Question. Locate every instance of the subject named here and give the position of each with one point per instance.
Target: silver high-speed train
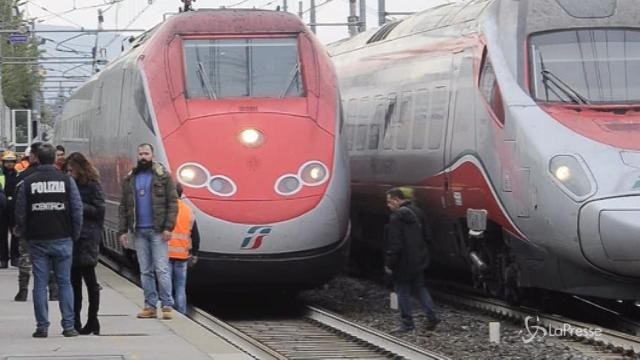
(518, 124)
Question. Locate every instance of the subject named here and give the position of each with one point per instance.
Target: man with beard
(148, 210)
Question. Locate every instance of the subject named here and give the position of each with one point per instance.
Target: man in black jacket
(49, 217)
(406, 258)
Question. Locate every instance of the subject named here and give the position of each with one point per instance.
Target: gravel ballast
(462, 334)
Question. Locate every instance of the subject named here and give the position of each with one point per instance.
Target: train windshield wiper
(205, 82)
(292, 76)
(571, 93)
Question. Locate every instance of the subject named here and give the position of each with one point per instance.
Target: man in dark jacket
(406, 258)
(49, 217)
(24, 259)
(148, 209)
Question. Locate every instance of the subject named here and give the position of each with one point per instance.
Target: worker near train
(148, 210)
(49, 218)
(9, 177)
(183, 251)
(406, 258)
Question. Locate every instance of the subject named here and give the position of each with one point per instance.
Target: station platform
(122, 335)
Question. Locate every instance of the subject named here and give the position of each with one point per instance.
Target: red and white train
(243, 108)
(524, 112)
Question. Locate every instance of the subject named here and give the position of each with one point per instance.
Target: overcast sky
(147, 13)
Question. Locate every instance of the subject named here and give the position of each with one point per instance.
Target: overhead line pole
(363, 16)
(382, 12)
(352, 18)
(312, 16)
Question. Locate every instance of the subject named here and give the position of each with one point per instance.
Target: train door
(459, 140)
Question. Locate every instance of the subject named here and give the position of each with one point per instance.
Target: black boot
(92, 325)
(4, 264)
(21, 295)
(76, 322)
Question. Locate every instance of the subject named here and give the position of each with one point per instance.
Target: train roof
(233, 21)
(430, 19)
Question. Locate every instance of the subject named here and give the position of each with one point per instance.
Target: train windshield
(586, 66)
(225, 68)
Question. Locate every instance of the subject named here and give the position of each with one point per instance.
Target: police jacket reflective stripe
(48, 204)
(180, 242)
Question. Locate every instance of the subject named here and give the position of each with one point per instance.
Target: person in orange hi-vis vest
(183, 251)
(23, 164)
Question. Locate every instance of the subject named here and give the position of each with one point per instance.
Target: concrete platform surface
(122, 336)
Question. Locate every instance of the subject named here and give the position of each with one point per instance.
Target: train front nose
(609, 232)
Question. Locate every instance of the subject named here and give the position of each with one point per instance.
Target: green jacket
(164, 201)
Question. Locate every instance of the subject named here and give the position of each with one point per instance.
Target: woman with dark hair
(85, 249)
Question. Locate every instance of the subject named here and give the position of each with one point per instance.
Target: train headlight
(573, 176)
(313, 173)
(222, 186)
(288, 184)
(193, 175)
(563, 173)
(251, 137)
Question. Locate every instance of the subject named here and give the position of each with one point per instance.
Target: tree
(18, 81)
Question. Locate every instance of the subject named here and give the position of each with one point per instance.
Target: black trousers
(5, 255)
(88, 273)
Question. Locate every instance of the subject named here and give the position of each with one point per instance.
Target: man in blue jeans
(407, 257)
(148, 209)
(49, 216)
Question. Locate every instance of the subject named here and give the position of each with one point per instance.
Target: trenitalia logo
(254, 237)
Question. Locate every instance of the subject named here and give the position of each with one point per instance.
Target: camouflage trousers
(24, 269)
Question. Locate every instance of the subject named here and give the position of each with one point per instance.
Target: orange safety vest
(22, 166)
(180, 243)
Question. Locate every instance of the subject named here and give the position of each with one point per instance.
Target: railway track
(316, 334)
(603, 343)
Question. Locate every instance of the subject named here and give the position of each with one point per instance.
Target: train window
(404, 121)
(420, 119)
(586, 66)
(243, 68)
(378, 118)
(363, 118)
(387, 141)
(439, 113)
(142, 105)
(490, 90)
(348, 131)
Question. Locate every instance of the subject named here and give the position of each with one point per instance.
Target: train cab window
(585, 66)
(225, 68)
(141, 103)
(489, 88)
